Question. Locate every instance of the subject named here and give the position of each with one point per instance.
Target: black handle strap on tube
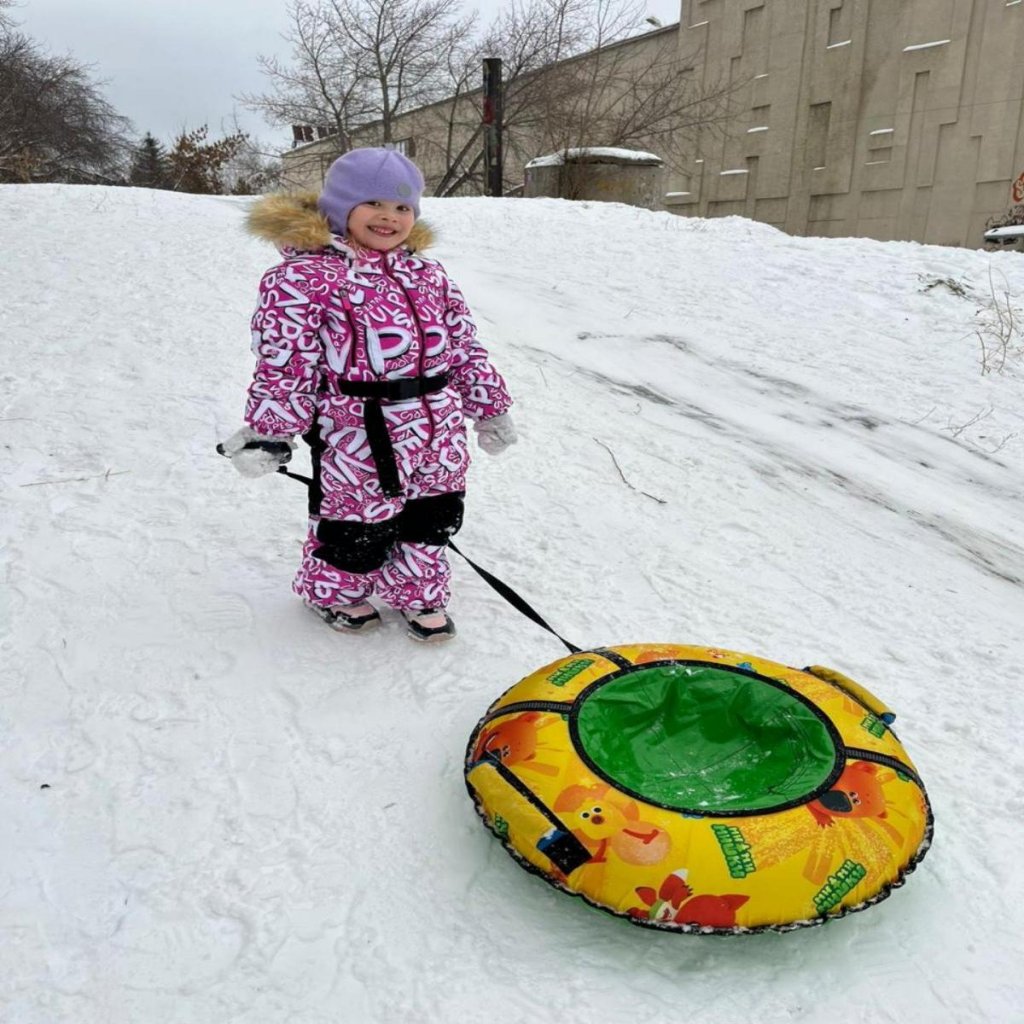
(513, 598)
(503, 589)
(295, 476)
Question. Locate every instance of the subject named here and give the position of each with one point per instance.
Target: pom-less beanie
(362, 175)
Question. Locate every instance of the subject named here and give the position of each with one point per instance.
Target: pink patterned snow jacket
(332, 316)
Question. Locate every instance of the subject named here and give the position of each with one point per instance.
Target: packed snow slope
(217, 810)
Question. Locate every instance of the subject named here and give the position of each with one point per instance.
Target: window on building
(753, 27)
(755, 40)
(928, 20)
(303, 133)
(817, 134)
(407, 147)
(880, 145)
(839, 24)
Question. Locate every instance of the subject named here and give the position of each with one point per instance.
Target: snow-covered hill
(216, 810)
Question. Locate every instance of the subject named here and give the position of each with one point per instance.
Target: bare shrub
(999, 329)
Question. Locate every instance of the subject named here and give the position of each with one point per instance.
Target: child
(368, 350)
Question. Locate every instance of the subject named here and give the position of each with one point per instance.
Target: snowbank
(217, 810)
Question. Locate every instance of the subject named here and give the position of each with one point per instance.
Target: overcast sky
(174, 63)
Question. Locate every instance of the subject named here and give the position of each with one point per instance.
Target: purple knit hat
(362, 175)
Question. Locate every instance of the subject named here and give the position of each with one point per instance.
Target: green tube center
(704, 740)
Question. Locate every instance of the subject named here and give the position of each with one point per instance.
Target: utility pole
(493, 115)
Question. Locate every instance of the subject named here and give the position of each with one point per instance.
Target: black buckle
(397, 390)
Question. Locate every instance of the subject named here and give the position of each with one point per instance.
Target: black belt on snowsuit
(375, 392)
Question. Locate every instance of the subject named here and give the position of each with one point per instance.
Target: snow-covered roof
(595, 155)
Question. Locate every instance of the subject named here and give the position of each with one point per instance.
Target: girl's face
(380, 224)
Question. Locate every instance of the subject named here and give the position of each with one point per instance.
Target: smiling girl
(367, 350)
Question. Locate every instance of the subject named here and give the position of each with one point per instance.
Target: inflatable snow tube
(700, 790)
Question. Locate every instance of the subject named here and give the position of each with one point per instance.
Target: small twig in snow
(999, 445)
(915, 423)
(78, 479)
(660, 501)
(956, 431)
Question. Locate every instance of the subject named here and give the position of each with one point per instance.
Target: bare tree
(529, 35)
(320, 85)
(254, 169)
(403, 45)
(360, 62)
(55, 123)
(617, 97)
(570, 84)
(359, 65)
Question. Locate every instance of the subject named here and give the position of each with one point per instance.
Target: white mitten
(496, 434)
(253, 454)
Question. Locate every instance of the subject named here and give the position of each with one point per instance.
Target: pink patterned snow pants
(415, 576)
(415, 573)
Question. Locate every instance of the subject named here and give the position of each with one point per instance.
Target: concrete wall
(892, 120)
(305, 166)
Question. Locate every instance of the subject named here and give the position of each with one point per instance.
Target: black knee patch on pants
(431, 520)
(355, 547)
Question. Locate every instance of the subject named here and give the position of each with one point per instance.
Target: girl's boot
(428, 624)
(348, 618)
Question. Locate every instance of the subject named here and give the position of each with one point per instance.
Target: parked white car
(1011, 237)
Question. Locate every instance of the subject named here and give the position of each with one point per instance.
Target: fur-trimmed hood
(294, 222)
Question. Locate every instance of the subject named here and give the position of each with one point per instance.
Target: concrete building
(885, 119)
(891, 119)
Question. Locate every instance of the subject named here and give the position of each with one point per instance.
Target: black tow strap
(374, 392)
(503, 589)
